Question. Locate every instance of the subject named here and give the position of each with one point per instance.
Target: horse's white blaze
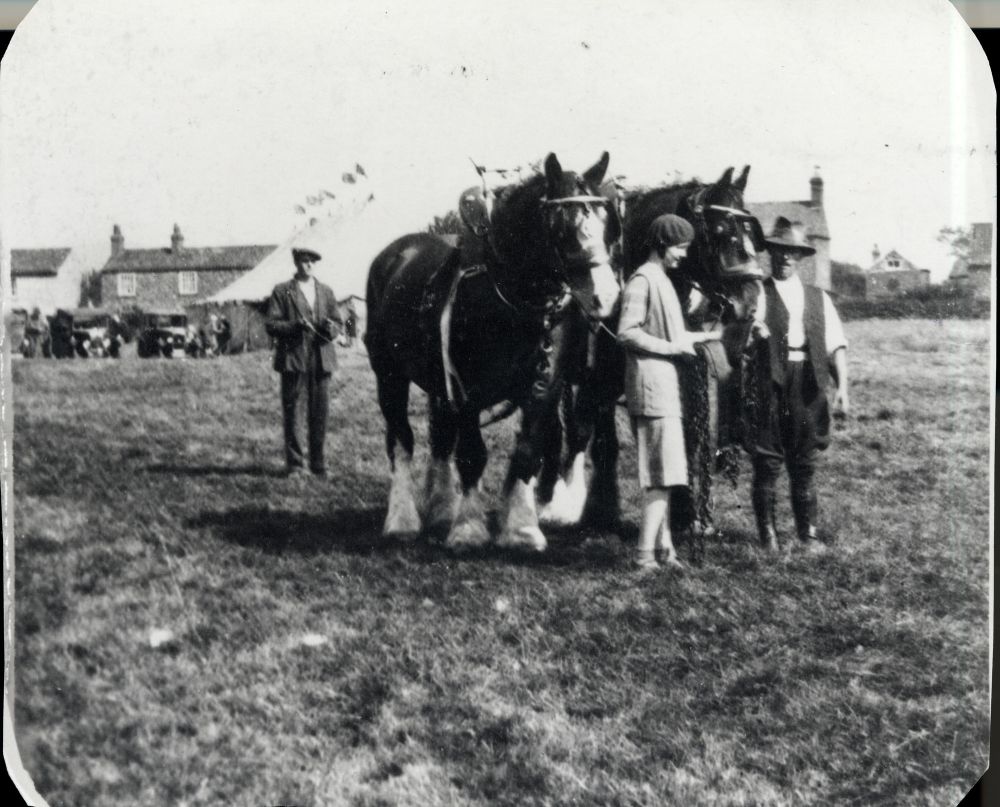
(606, 290)
(568, 497)
(440, 494)
(519, 523)
(469, 529)
(402, 520)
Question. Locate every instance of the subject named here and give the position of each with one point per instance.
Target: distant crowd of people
(63, 335)
(209, 340)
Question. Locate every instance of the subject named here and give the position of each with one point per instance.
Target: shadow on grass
(214, 470)
(279, 531)
(359, 531)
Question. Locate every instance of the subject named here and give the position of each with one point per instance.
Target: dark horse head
(551, 237)
(721, 265)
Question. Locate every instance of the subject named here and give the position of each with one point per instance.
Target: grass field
(312, 664)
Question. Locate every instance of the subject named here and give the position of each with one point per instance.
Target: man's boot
(805, 509)
(763, 508)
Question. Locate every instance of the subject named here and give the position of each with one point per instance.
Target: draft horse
(718, 283)
(473, 338)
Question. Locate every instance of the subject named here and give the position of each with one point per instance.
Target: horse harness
(546, 314)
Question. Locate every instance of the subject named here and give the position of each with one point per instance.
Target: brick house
(976, 270)
(811, 214)
(46, 279)
(172, 277)
(892, 274)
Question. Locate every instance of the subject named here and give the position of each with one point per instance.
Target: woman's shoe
(646, 562)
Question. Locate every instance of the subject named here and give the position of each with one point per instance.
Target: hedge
(933, 302)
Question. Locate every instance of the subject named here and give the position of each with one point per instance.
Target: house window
(187, 282)
(893, 263)
(126, 284)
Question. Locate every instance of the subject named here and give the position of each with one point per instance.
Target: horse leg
(569, 495)
(603, 508)
(402, 521)
(440, 500)
(519, 518)
(551, 471)
(469, 530)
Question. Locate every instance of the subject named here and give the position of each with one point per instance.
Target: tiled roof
(882, 264)
(37, 262)
(813, 218)
(187, 259)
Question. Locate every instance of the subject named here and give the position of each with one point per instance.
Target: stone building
(812, 216)
(173, 277)
(976, 270)
(892, 274)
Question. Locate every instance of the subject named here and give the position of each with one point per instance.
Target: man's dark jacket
(286, 311)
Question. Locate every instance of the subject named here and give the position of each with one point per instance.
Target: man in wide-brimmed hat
(303, 318)
(805, 348)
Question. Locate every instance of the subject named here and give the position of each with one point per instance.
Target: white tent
(347, 237)
(348, 231)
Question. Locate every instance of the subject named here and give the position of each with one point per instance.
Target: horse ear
(553, 171)
(726, 178)
(741, 181)
(596, 172)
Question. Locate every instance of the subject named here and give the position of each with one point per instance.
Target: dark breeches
(794, 433)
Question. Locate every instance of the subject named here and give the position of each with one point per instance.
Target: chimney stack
(117, 241)
(816, 188)
(176, 240)
(875, 254)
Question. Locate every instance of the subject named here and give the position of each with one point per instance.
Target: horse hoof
(439, 521)
(553, 516)
(402, 536)
(402, 524)
(525, 538)
(565, 509)
(467, 535)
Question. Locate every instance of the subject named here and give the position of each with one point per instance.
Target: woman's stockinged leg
(655, 511)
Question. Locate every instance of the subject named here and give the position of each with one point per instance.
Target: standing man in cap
(652, 332)
(302, 316)
(805, 346)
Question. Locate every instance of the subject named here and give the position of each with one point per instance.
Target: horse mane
(515, 224)
(642, 206)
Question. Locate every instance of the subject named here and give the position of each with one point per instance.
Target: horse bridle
(556, 301)
(697, 207)
(585, 199)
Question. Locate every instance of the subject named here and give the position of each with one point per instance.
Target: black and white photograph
(479, 403)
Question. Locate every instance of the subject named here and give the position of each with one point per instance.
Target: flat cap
(305, 255)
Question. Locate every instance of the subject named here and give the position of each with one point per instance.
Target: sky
(223, 115)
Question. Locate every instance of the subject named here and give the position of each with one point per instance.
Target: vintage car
(92, 332)
(162, 333)
(83, 332)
